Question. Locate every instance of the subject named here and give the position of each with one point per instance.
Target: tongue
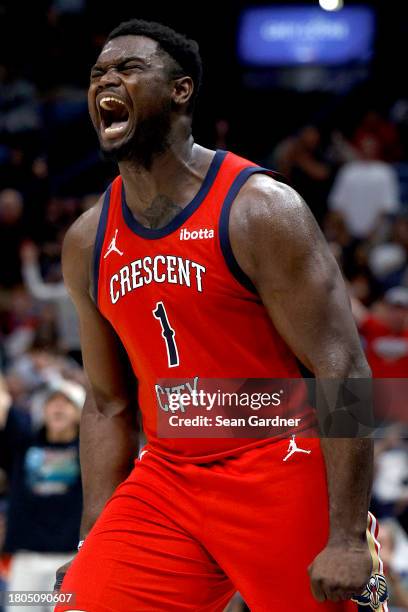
(116, 126)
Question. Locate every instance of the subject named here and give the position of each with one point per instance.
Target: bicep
(287, 258)
(310, 310)
(105, 360)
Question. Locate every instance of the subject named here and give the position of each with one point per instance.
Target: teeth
(112, 129)
(106, 102)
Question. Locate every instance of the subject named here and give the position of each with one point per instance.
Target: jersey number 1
(168, 334)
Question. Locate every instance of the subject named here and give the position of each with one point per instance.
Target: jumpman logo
(293, 448)
(112, 247)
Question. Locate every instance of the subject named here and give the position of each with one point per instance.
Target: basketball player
(198, 263)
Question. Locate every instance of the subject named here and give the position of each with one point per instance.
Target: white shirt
(391, 474)
(362, 191)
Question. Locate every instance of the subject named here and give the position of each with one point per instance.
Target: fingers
(317, 590)
(60, 575)
(324, 589)
(322, 592)
(58, 581)
(316, 586)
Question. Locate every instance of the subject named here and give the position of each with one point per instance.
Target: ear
(182, 90)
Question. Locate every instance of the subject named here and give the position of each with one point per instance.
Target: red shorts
(184, 537)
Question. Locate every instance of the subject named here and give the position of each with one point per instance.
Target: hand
(60, 575)
(340, 571)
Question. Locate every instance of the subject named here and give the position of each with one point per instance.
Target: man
(385, 333)
(365, 190)
(45, 497)
(197, 264)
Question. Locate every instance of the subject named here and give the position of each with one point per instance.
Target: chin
(147, 139)
(120, 151)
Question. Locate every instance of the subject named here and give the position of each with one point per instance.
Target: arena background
(312, 123)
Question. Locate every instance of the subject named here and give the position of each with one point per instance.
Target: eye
(96, 73)
(131, 67)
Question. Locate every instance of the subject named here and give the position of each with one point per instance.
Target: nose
(110, 78)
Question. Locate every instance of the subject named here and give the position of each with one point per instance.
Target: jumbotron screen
(292, 36)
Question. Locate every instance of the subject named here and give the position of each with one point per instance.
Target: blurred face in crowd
(61, 417)
(360, 288)
(371, 120)
(130, 98)
(310, 137)
(397, 317)
(369, 149)
(11, 206)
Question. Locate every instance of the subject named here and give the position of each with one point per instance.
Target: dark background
(55, 50)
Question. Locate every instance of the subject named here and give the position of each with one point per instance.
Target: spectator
(364, 190)
(12, 234)
(385, 333)
(373, 125)
(45, 488)
(387, 263)
(390, 486)
(19, 112)
(300, 160)
(67, 324)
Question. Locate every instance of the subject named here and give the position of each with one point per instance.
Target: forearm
(349, 457)
(349, 467)
(108, 446)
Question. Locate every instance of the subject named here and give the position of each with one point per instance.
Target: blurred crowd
(354, 180)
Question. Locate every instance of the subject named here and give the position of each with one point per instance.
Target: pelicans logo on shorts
(375, 593)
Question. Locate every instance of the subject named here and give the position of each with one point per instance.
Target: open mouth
(114, 115)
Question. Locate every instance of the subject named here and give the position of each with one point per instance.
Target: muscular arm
(279, 246)
(108, 425)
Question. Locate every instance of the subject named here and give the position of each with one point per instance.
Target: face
(397, 317)
(310, 137)
(130, 97)
(11, 206)
(60, 414)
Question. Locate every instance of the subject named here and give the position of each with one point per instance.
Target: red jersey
(387, 351)
(180, 303)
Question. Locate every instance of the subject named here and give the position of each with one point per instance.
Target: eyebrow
(119, 62)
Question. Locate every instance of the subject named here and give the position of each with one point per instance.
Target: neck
(60, 437)
(155, 194)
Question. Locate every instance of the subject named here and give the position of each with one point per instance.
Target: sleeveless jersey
(181, 305)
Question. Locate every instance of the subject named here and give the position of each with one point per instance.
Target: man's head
(146, 76)
(62, 408)
(369, 149)
(11, 206)
(396, 301)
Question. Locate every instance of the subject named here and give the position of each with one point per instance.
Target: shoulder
(78, 247)
(385, 169)
(272, 231)
(265, 205)
(82, 232)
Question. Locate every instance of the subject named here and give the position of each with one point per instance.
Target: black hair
(184, 51)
